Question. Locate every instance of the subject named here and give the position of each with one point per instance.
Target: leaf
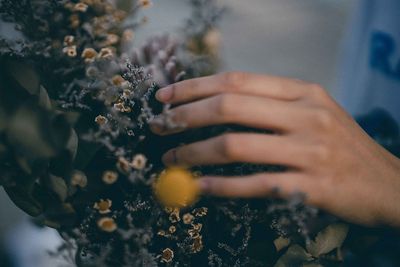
(26, 133)
(294, 256)
(44, 99)
(328, 239)
(24, 200)
(25, 75)
(58, 186)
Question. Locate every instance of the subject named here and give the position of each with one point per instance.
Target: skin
(329, 157)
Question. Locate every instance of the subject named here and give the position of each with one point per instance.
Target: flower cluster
(76, 152)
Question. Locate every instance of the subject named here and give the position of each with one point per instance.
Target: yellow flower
(103, 206)
(110, 177)
(167, 255)
(107, 224)
(176, 187)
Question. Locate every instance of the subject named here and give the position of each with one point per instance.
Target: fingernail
(204, 184)
(164, 94)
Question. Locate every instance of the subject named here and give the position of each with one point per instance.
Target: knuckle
(324, 119)
(234, 78)
(229, 146)
(321, 153)
(224, 104)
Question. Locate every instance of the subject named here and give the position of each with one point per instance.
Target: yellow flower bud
(176, 187)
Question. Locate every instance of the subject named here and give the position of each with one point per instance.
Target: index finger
(233, 82)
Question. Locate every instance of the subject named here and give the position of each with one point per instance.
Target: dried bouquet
(76, 152)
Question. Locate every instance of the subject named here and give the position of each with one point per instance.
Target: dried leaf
(44, 100)
(328, 239)
(294, 256)
(58, 185)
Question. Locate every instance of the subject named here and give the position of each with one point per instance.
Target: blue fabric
(369, 76)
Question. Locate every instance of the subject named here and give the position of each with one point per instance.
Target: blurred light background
(296, 38)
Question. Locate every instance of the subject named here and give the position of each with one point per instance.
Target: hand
(329, 157)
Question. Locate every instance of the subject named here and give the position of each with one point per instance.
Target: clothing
(369, 76)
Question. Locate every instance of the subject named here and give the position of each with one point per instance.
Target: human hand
(329, 157)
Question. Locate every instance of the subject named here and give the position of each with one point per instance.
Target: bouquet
(76, 152)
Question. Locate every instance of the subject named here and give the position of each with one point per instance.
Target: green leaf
(26, 133)
(44, 99)
(328, 239)
(25, 75)
(24, 200)
(58, 186)
(294, 256)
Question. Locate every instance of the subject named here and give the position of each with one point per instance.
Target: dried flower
(106, 53)
(89, 54)
(78, 178)
(107, 224)
(70, 51)
(176, 187)
(146, 3)
(111, 39)
(103, 206)
(139, 162)
(172, 229)
(212, 40)
(110, 177)
(80, 7)
(174, 217)
(200, 212)
(74, 20)
(167, 255)
(117, 80)
(69, 40)
(187, 218)
(123, 165)
(101, 120)
(128, 35)
(197, 244)
(161, 233)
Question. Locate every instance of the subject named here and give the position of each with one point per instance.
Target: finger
(251, 111)
(234, 82)
(282, 185)
(239, 147)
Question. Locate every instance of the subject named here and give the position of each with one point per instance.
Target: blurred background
(296, 38)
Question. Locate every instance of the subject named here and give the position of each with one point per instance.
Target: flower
(187, 218)
(111, 39)
(117, 80)
(106, 53)
(100, 120)
(174, 216)
(69, 40)
(110, 177)
(146, 3)
(172, 229)
(200, 212)
(167, 255)
(123, 165)
(78, 178)
(89, 54)
(176, 187)
(197, 244)
(70, 50)
(139, 162)
(80, 7)
(107, 224)
(103, 206)
(74, 20)
(128, 35)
